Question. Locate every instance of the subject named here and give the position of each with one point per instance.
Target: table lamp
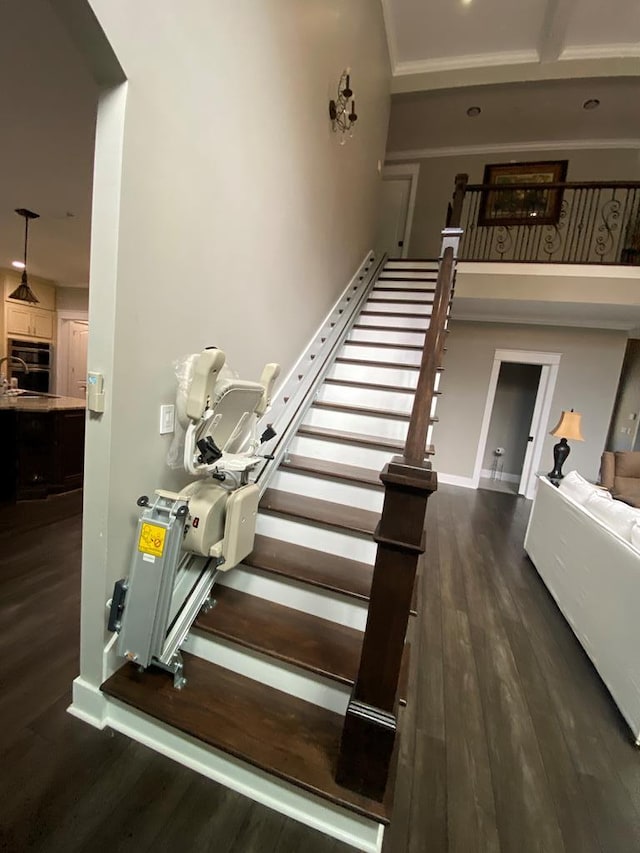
(568, 427)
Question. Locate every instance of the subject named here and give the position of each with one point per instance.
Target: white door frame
(549, 361)
(411, 171)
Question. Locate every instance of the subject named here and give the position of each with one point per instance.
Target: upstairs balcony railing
(570, 223)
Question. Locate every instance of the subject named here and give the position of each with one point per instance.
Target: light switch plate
(167, 418)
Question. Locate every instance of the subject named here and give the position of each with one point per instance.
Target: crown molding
(455, 63)
(513, 147)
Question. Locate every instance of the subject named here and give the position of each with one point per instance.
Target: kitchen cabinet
(24, 321)
(43, 452)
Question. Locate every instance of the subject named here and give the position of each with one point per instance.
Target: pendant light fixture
(23, 292)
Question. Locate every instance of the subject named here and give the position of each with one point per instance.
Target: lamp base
(560, 453)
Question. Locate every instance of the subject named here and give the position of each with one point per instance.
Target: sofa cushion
(580, 490)
(627, 463)
(618, 516)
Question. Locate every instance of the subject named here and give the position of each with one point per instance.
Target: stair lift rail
(296, 394)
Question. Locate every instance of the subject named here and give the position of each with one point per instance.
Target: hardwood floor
(511, 742)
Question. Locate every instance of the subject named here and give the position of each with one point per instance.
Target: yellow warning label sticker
(152, 539)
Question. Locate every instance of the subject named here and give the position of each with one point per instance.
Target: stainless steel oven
(37, 356)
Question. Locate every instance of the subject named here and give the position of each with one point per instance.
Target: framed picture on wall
(511, 205)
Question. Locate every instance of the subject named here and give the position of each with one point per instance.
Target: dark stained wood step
(373, 386)
(404, 314)
(332, 470)
(365, 410)
(316, 568)
(401, 301)
(377, 289)
(338, 574)
(297, 638)
(326, 513)
(369, 363)
(344, 437)
(278, 733)
(425, 277)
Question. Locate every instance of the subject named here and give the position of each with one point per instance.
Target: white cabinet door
(41, 324)
(19, 320)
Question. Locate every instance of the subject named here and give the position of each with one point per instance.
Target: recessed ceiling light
(591, 104)
(472, 112)
(17, 264)
(467, 2)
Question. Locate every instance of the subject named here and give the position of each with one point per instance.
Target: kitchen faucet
(4, 383)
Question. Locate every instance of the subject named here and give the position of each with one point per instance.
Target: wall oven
(37, 356)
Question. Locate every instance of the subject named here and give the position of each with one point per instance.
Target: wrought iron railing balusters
(594, 222)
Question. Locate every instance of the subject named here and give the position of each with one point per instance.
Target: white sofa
(594, 575)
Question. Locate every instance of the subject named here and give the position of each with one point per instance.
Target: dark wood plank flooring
(511, 742)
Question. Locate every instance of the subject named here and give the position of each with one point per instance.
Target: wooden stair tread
(297, 638)
(327, 513)
(278, 733)
(377, 289)
(370, 363)
(366, 313)
(373, 386)
(338, 574)
(401, 301)
(347, 408)
(355, 438)
(332, 470)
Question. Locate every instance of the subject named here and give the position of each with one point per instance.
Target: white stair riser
(342, 544)
(384, 356)
(342, 609)
(391, 400)
(324, 489)
(349, 454)
(383, 375)
(430, 434)
(277, 674)
(404, 264)
(361, 424)
(402, 279)
(399, 307)
(396, 322)
(385, 337)
(412, 292)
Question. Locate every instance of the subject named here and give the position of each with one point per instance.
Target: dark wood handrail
(568, 185)
(431, 358)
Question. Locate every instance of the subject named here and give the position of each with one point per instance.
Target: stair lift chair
(212, 517)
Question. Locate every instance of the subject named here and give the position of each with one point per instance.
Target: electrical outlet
(167, 418)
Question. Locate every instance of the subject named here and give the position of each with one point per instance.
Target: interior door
(534, 430)
(394, 206)
(77, 364)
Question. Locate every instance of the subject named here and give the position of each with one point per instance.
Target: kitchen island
(43, 437)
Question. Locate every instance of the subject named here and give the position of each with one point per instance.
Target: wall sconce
(342, 119)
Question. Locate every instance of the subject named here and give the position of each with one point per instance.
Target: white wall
(437, 174)
(627, 403)
(72, 299)
(587, 381)
(238, 221)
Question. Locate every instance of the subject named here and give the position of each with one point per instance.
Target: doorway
(510, 426)
(71, 372)
(397, 202)
(515, 420)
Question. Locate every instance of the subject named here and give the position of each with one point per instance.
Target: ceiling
(48, 102)
(449, 43)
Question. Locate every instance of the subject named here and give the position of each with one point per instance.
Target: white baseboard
(294, 802)
(89, 703)
(487, 473)
(455, 480)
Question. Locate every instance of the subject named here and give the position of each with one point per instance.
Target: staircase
(271, 667)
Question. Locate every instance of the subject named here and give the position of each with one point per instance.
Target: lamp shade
(568, 426)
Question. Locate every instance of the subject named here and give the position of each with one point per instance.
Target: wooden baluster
(368, 737)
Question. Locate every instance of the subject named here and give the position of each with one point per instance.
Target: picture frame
(522, 206)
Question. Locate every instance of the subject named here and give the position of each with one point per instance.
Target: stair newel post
(454, 217)
(368, 738)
